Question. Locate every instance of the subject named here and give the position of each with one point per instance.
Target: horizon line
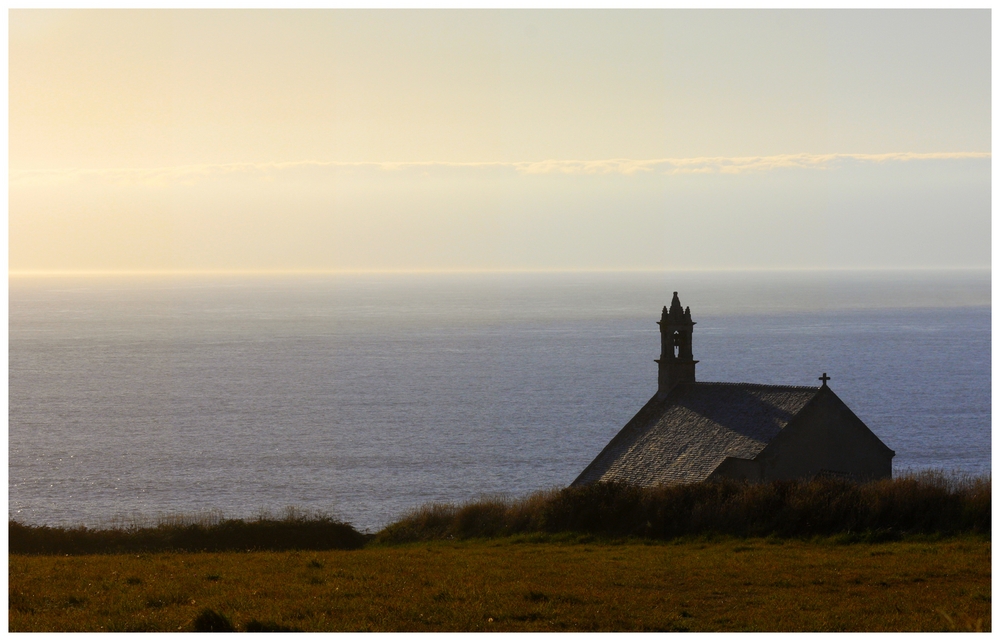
(38, 273)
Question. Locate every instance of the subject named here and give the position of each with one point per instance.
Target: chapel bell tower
(676, 360)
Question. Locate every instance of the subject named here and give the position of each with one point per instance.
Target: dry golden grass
(520, 584)
(930, 503)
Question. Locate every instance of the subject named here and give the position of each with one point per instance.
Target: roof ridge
(803, 387)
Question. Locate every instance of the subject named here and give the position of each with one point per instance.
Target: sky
(348, 140)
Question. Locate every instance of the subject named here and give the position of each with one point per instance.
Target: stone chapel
(692, 431)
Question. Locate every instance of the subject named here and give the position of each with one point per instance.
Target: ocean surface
(365, 396)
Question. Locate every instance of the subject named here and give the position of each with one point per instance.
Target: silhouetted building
(690, 432)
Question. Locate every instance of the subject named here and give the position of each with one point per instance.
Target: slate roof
(684, 436)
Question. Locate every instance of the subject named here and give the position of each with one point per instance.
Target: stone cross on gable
(824, 378)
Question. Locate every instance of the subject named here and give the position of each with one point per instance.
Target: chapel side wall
(738, 469)
(825, 437)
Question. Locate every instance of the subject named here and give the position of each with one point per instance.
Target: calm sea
(366, 396)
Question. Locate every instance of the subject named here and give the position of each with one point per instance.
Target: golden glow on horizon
(666, 166)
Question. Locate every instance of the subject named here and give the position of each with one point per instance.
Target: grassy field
(533, 582)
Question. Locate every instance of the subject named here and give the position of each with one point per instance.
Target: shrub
(211, 621)
(928, 503)
(292, 532)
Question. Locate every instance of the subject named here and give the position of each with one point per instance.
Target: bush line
(231, 535)
(927, 504)
(922, 504)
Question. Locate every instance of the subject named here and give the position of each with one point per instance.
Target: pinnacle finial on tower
(676, 311)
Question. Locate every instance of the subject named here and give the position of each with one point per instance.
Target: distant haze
(498, 140)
